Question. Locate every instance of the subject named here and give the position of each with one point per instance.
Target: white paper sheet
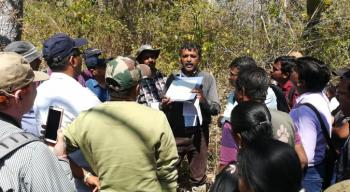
(181, 87)
(190, 112)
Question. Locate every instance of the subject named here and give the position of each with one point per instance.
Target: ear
(240, 94)
(72, 61)
(301, 83)
(18, 95)
(301, 86)
(285, 75)
(93, 72)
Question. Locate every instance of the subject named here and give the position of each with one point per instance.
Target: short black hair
(189, 46)
(287, 63)
(61, 64)
(315, 73)
(119, 95)
(255, 82)
(242, 63)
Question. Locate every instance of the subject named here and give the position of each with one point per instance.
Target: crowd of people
(121, 131)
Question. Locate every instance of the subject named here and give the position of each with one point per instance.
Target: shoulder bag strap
(15, 141)
(323, 127)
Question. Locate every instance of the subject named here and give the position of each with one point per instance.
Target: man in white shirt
(62, 90)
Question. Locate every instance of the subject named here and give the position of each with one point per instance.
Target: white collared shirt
(65, 92)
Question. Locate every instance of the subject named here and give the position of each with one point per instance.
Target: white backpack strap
(15, 141)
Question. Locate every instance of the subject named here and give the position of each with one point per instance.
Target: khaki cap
(15, 72)
(147, 48)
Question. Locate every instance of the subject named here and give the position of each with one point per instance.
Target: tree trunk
(11, 14)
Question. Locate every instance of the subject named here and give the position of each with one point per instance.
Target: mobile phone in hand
(53, 123)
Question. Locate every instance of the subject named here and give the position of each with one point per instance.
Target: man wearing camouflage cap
(32, 167)
(152, 86)
(138, 152)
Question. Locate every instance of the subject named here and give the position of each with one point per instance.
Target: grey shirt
(32, 167)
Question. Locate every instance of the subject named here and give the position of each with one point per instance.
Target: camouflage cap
(122, 73)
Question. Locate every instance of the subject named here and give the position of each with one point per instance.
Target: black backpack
(282, 103)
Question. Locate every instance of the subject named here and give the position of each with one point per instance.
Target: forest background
(226, 29)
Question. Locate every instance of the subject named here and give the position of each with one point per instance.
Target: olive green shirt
(129, 146)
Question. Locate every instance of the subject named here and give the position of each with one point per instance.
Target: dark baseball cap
(60, 46)
(92, 52)
(92, 60)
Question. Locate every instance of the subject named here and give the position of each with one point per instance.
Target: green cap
(122, 73)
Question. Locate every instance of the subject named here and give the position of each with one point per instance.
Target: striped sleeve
(44, 172)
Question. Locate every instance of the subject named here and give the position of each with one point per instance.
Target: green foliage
(225, 29)
(331, 41)
(81, 18)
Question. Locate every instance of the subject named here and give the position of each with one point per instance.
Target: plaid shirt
(151, 89)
